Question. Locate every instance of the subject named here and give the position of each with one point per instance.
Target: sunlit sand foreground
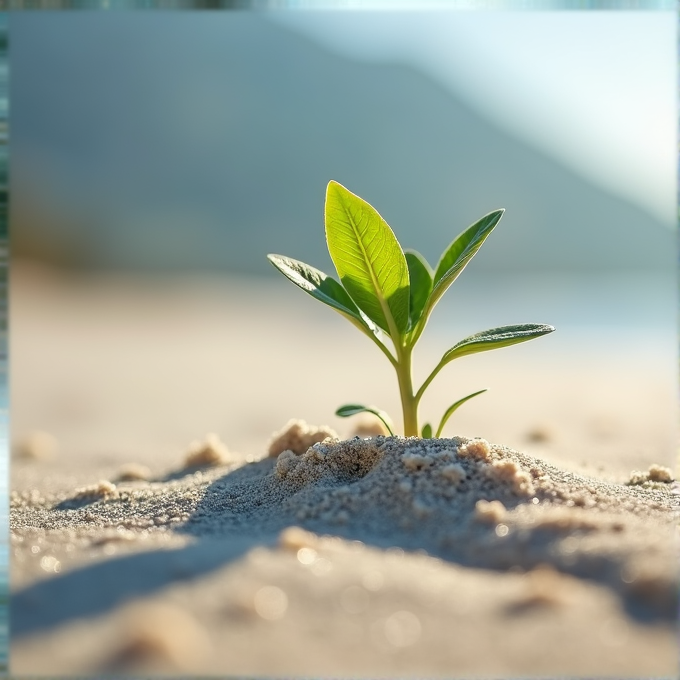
(522, 543)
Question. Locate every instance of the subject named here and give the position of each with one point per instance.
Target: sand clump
(102, 490)
(491, 512)
(656, 474)
(211, 451)
(297, 436)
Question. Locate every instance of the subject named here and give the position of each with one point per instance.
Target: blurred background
(157, 157)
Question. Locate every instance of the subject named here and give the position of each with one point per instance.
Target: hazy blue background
(200, 141)
(194, 140)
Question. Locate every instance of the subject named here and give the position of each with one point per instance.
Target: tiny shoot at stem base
(389, 294)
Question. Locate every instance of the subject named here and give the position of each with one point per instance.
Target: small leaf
(495, 338)
(427, 431)
(459, 253)
(352, 410)
(452, 408)
(420, 284)
(369, 259)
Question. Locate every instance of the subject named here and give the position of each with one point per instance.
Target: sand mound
(461, 500)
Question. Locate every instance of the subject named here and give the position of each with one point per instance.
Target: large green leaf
(495, 338)
(353, 409)
(420, 284)
(369, 259)
(459, 253)
(321, 287)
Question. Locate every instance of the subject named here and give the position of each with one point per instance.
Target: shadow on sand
(100, 587)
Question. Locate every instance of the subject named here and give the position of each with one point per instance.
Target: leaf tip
(334, 187)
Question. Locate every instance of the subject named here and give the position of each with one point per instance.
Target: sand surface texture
(134, 551)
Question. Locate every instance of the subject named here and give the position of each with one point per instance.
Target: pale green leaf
(323, 288)
(454, 407)
(330, 292)
(368, 258)
(316, 283)
(495, 338)
(353, 409)
(459, 253)
(427, 431)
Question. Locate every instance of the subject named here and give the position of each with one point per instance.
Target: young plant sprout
(390, 293)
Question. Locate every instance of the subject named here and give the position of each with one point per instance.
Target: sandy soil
(139, 544)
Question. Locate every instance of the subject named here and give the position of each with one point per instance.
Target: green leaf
(352, 410)
(369, 259)
(420, 284)
(427, 431)
(330, 292)
(459, 253)
(452, 408)
(316, 283)
(495, 338)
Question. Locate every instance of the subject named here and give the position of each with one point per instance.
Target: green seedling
(390, 293)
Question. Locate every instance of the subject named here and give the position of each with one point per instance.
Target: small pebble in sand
(454, 473)
(475, 448)
(133, 472)
(211, 451)
(38, 445)
(103, 490)
(490, 512)
(297, 436)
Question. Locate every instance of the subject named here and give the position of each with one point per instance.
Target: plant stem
(409, 404)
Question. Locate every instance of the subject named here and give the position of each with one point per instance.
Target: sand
(145, 539)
